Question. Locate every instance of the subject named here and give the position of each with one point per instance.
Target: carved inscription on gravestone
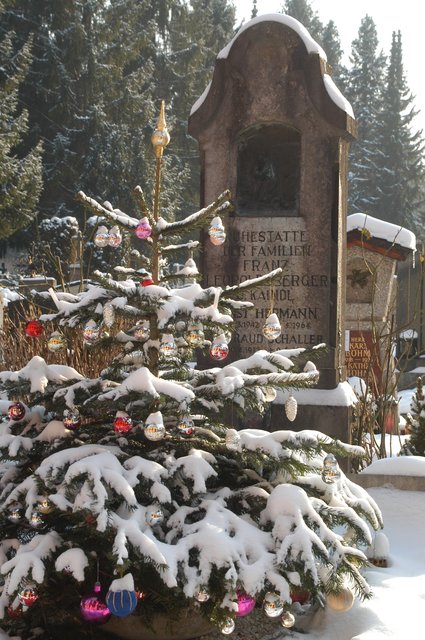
(299, 296)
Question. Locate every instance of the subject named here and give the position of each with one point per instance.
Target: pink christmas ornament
(246, 604)
(143, 229)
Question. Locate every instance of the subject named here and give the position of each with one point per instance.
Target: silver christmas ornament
(228, 627)
(291, 408)
(194, 335)
(115, 237)
(154, 429)
(90, 333)
(15, 513)
(272, 604)
(331, 472)
(272, 328)
(186, 427)
(202, 596)
(216, 231)
(154, 515)
(142, 330)
(101, 238)
(168, 347)
(71, 419)
(36, 519)
(219, 349)
(287, 620)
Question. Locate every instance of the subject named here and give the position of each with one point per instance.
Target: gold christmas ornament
(291, 408)
(160, 137)
(341, 601)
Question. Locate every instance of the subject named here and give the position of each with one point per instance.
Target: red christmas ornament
(146, 282)
(300, 596)
(16, 411)
(34, 329)
(122, 423)
(15, 613)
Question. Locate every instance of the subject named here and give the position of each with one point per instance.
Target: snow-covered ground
(397, 609)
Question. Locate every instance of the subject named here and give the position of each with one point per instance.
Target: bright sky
(388, 15)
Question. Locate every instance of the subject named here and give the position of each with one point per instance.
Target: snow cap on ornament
(121, 598)
(216, 231)
(379, 552)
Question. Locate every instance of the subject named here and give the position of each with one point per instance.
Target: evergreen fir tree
(20, 172)
(364, 88)
(136, 476)
(301, 10)
(401, 166)
(415, 445)
(331, 44)
(326, 35)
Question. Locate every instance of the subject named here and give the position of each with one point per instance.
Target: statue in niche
(269, 172)
(265, 186)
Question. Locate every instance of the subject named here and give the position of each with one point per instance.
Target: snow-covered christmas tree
(132, 493)
(415, 445)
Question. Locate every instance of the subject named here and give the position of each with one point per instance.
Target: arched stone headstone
(274, 129)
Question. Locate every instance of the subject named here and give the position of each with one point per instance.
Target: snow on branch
(252, 283)
(220, 206)
(142, 381)
(29, 559)
(39, 374)
(112, 214)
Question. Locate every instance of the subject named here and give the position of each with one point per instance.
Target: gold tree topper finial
(160, 137)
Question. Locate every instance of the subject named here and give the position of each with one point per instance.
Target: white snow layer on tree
(223, 538)
(73, 561)
(382, 229)
(143, 381)
(39, 374)
(310, 44)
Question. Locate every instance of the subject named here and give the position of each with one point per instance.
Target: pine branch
(197, 220)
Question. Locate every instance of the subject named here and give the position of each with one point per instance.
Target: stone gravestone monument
(274, 129)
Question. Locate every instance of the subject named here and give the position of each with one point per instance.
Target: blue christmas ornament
(121, 598)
